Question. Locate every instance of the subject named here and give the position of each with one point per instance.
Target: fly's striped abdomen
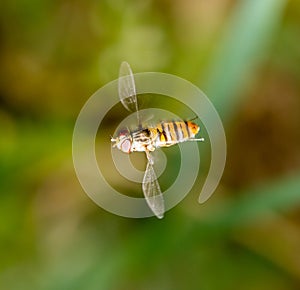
(170, 133)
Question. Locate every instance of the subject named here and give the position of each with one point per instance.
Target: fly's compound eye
(126, 146)
(123, 132)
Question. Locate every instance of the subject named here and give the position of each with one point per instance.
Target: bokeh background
(244, 54)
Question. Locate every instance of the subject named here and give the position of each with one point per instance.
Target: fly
(147, 139)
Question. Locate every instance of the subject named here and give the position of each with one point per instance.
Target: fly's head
(123, 141)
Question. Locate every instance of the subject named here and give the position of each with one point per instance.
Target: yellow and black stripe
(175, 131)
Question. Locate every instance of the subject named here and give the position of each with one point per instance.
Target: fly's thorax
(142, 140)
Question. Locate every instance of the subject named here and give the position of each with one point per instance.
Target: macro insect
(148, 138)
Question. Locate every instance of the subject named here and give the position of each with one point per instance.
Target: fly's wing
(152, 191)
(126, 86)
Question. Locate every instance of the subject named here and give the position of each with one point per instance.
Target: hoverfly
(147, 139)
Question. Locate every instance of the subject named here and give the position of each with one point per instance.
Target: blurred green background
(245, 55)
